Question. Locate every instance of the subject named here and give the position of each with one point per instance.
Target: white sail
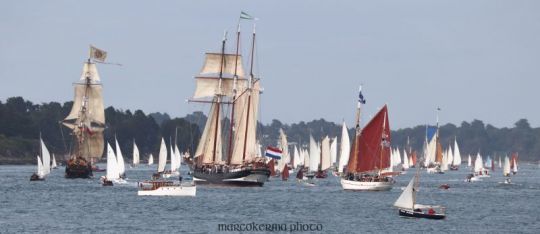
(112, 167)
(305, 155)
(478, 164)
(173, 158)
(178, 157)
(469, 163)
(54, 165)
(314, 154)
(457, 154)
(40, 171)
(407, 198)
(506, 170)
(333, 152)
(46, 158)
(515, 168)
(120, 159)
(135, 154)
(296, 156)
(444, 164)
(325, 154)
(500, 165)
(205, 149)
(450, 156)
(405, 160)
(344, 148)
(283, 145)
(150, 159)
(162, 159)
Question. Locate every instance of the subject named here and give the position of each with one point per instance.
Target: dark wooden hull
(35, 177)
(78, 168)
(412, 214)
(243, 178)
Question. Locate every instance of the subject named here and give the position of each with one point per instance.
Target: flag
(97, 54)
(361, 98)
(273, 152)
(246, 16)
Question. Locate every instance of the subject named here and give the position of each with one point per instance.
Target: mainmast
(235, 77)
(249, 90)
(219, 94)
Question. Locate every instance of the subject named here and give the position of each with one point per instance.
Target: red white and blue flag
(273, 152)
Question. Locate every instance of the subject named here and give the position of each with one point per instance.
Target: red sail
(372, 148)
(271, 165)
(514, 159)
(285, 173)
(414, 158)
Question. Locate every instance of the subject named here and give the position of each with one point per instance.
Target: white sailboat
(113, 170)
(39, 175)
(135, 154)
(405, 160)
(409, 208)
(296, 158)
(150, 159)
(43, 163)
(344, 148)
(120, 158)
(54, 165)
(506, 170)
(456, 162)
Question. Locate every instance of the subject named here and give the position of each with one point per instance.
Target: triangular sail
(40, 171)
(135, 154)
(407, 198)
(54, 165)
(178, 157)
(45, 157)
(150, 159)
(162, 159)
(325, 154)
(297, 160)
(506, 168)
(173, 158)
(457, 154)
(112, 167)
(333, 152)
(121, 166)
(314, 154)
(344, 148)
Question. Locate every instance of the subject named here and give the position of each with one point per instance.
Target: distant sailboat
(43, 163)
(456, 162)
(325, 160)
(506, 170)
(514, 164)
(135, 154)
(162, 159)
(409, 208)
(344, 148)
(150, 159)
(54, 165)
(370, 154)
(120, 158)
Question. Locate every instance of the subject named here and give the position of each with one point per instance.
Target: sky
(476, 59)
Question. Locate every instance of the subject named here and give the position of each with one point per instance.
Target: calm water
(66, 206)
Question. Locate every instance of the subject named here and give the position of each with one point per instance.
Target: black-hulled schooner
(86, 120)
(228, 153)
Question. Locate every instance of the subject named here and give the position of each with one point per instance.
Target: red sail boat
(370, 154)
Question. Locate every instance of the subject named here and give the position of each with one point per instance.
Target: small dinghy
(409, 208)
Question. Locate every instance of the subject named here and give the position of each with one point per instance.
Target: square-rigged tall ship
(232, 158)
(86, 120)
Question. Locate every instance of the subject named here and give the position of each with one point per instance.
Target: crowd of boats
(229, 152)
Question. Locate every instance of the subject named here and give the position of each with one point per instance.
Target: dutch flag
(273, 152)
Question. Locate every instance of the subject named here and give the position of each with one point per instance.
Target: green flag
(246, 16)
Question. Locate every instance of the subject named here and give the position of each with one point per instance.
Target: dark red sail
(285, 173)
(371, 149)
(271, 165)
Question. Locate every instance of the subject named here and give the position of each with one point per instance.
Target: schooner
(86, 119)
(228, 152)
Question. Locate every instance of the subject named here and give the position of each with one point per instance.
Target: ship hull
(78, 168)
(189, 191)
(241, 178)
(366, 185)
(413, 214)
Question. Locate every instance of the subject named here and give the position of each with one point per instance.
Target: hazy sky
(474, 59)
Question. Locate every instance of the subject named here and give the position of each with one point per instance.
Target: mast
(235, 77)
(218, 95)
(249, 94)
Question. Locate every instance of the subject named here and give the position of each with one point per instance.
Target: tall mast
(218, 96)
(235, 77)
(249, 93)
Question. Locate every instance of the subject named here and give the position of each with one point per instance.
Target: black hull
(242, 178)
(78, 171)
(412, 214)
(35, 177)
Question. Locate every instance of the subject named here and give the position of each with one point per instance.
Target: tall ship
(370, 154)
(86, 120)
(228, 153)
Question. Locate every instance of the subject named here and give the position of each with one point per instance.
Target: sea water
(59, 205)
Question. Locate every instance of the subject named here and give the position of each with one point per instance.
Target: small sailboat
(344, 149)
(513, 163)
(456, 162)
(407, 206)
(150, 159)
(285, 173)
(136, 160)
(43, 163)
(120, 158)
(506, 171)
(54, 165)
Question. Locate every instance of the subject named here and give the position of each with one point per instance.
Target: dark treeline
(22, 122)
